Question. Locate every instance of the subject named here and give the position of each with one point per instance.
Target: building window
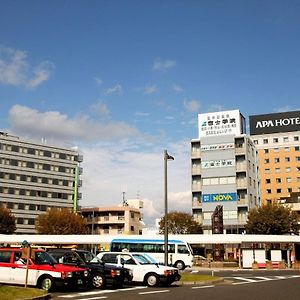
(277, 160)
(296, 138)
(289, 190)
(288, 179)
(285, 139)
(267, 171)
(132, 228)
(278, 180)
(287, 159)
(266, 151)
(269, 191)
(268, 180)
(278, 191)
(277, 170)
(265, 141)
(287, 169)
(286, 149)
(298, 169)
(297, 158)
(255, 142)
(276, 149)
(297, 148)
(275, 140)
(267, 161)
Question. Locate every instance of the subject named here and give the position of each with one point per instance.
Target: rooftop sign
(220, 123)
(272, 123)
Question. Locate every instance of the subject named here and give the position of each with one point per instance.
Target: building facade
(224, 171)
(277, 138)
(36, 177)
(113, 219)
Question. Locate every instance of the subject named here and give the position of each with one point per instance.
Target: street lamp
(166, 158)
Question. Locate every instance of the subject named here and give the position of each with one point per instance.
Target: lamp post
(166, 158)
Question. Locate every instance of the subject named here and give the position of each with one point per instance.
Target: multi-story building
(277, 138)
(36, 177)
(123, 219)
(224, 171)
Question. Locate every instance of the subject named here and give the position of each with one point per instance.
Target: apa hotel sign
(273, 123)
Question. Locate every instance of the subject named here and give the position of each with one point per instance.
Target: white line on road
(264, 278)
(95, 298)
(202, 287)
(154, 292)
(245, 279)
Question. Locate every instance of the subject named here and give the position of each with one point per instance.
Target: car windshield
(89, 257)
(142, 259)
(43, 258)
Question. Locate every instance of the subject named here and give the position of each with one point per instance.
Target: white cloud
(16, 70)
(117, 89)
(107, 169)
(192, 106)
(58, 127)
(177, 88)
(215, 107)
(151, 89)
(163, 65)
(142, 114)
(100, 108)
(285, 109)
(99, 81)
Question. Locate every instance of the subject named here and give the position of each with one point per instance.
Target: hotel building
(36, 177)
(224, 171)
(277, 138)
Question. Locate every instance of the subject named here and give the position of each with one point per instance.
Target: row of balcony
(241, 149)
(106, 219)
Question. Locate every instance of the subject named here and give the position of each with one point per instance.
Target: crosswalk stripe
(245, 279)
(264, 278)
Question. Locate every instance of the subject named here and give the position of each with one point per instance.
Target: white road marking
(245, 279)
(202, 287)
(264, 278)
(95, 298)
(154, 292)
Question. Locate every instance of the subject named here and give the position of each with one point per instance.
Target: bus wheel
(179, 265)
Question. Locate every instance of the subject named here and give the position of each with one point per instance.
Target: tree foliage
(60, 221)
(180, 223)
(7, 221)
(272, 219)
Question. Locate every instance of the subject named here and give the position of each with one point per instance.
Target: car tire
(98, 281)
(46, 283)
(179, 265)
(151, 279)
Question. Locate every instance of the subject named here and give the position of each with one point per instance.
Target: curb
(44, 297)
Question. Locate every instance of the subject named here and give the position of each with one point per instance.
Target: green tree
(180, 223)
(61, 221)
(7, 221)
(272, 219)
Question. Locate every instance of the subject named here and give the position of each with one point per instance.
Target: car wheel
(152, 279)
(46, 283)
(98, 281)
(179, 265)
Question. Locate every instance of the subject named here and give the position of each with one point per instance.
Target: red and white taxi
(43, 270)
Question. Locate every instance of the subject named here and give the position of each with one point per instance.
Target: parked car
(100, 275)
(43, 270)
(144, 270)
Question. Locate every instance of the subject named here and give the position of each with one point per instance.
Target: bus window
(182, 249)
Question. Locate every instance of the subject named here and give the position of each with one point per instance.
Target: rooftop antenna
(124, 199)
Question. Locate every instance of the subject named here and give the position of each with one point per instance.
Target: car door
(130, 263)
(18, 270)
(5, 266)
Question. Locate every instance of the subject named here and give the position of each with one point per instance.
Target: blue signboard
(221, 197)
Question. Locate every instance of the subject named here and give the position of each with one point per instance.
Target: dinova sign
(221, 197)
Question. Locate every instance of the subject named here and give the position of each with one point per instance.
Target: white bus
(180, 254)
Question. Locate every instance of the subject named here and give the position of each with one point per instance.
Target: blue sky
(124, 80)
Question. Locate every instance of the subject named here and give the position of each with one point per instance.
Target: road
(258, 285)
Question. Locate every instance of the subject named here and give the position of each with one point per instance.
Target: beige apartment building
(113, 219)
(35, 177)
(277, 138)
